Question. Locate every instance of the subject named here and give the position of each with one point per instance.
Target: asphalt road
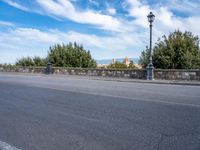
(74, 113)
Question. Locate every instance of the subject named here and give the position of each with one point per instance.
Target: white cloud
(16, 5)
(165, 21)
(139, 11)
(5, 23)
(94, 2)
(185, 6)
(132, 37)
(35, 35)
(111, 11)
(30, 42)
(65, 9)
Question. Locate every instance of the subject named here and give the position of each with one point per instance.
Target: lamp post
(150, 75)
(49, 68)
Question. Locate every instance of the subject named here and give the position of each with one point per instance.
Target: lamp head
(151, 17)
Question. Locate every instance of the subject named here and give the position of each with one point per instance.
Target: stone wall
(23, 69)
(123, 73)
(163, 74)
(176, 74)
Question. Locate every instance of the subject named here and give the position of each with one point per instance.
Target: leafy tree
(70, 55)
(177, 51)
(38, 61)
(117, 65)
(25, 61)
(144, 58)
(6, 65)
(131, 65)
(28, 61)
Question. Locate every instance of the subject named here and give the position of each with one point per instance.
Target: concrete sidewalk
(155, 81)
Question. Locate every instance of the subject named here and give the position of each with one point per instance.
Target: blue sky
(108, 28)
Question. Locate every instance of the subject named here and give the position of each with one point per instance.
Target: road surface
(75, 113)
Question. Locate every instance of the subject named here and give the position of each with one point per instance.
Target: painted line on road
(6, 146)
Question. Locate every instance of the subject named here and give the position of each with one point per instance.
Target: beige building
(126, 61)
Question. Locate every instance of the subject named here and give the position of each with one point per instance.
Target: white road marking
(6, 146)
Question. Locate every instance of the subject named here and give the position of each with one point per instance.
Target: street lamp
(49, 68)
(150, 67)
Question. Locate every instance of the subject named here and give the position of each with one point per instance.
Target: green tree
(25, 61)
(131, 65)
(117, 65)
(38, 61)
(28, 61)
(144, 58)
(177, 51)
(70, 55)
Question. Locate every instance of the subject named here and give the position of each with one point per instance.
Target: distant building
(126, 61)
(138, 66)
(113, 61)
(102, 65)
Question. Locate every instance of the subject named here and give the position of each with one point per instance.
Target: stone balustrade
(164, 74)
